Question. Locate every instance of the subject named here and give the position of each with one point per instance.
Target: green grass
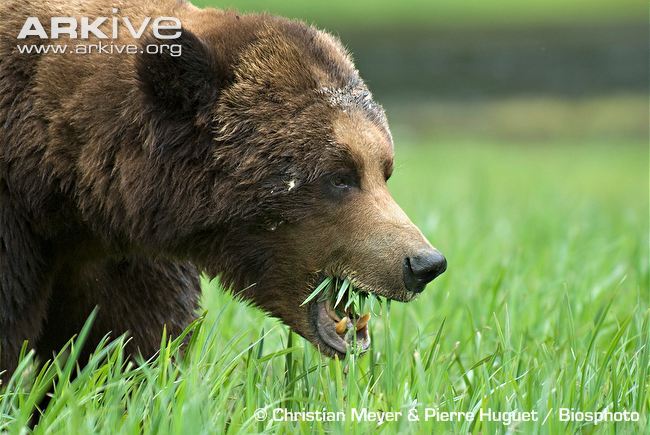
(544, 305)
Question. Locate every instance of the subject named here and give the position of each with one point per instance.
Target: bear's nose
(422, 268)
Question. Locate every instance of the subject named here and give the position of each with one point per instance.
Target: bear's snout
(422, 268)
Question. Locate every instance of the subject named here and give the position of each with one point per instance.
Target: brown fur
(121, 176)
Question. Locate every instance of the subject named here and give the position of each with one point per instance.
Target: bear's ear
(181, 78)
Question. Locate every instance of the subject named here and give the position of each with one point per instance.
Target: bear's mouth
(341, 334)
(342, 327)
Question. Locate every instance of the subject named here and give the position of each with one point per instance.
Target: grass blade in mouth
(341, 293)
(356, 303)
(322, 286)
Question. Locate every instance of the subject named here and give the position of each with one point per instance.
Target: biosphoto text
(99, 35)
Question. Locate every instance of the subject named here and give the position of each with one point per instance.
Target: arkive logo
(165, 28)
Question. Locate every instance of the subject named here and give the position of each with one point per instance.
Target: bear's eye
(339, 181)
(343, 181)
(339, 184)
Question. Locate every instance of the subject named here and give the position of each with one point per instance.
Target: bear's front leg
(25, 283)
(134, 295)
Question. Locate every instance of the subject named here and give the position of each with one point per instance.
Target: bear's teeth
(342, 326)
(363, 321)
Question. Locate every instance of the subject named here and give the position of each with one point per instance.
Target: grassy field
(544, 306)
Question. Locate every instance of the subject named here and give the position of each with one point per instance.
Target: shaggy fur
(122, 176)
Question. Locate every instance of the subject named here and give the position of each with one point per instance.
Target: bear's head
(291, 156)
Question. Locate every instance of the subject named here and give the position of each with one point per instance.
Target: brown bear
(257, 155)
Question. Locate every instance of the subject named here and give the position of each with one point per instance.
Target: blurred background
(499, 70)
